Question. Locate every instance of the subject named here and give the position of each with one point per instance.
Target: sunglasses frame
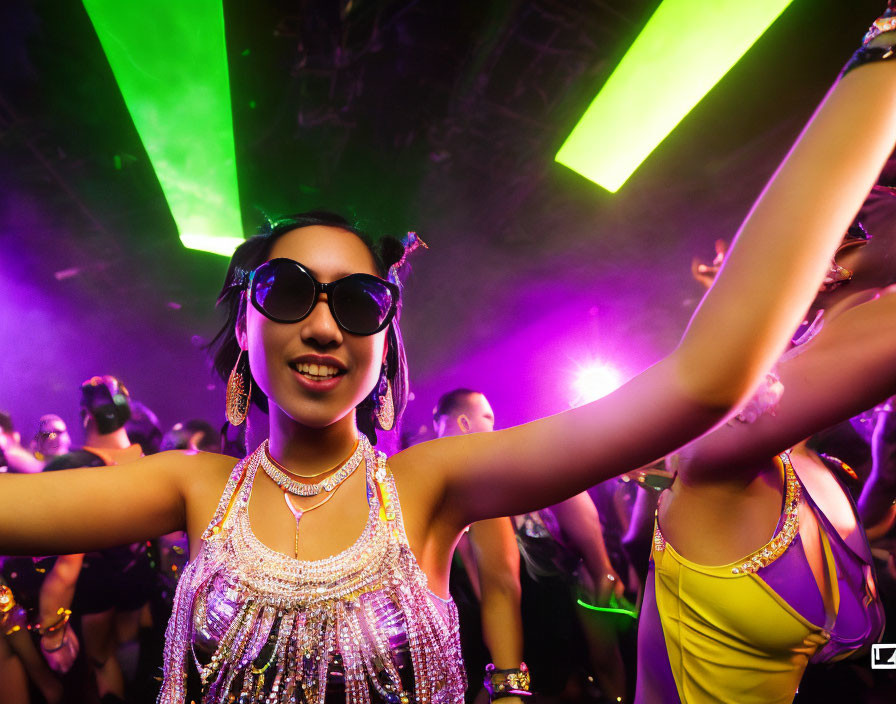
(328, 289)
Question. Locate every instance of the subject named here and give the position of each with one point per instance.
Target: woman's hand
(705, 273)
(18, 458)
(610, 588)
(60, 648)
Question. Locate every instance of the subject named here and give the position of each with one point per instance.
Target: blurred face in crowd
(474, 415)
(52, 437)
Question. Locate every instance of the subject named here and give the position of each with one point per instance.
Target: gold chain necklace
(299, 512)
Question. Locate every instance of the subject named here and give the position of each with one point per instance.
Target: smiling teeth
(319, 371)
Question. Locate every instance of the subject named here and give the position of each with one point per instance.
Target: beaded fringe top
(260, 626)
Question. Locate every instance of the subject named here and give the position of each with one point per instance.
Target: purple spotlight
(594, 381)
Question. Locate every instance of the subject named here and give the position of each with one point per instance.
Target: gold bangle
(512, 682)
(64, 615)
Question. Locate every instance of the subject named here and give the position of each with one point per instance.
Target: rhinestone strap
(775, 547)
(659, 542)
(772, 550)
(301, 488)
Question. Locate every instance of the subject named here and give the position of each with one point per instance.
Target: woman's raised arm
(846, 369)
(78, 510)
(770, 277)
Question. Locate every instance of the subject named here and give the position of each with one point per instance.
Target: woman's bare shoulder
(420, 477)
(192, 461)
(196, 472)
(419, 460)
(212, 465)
(202, 477)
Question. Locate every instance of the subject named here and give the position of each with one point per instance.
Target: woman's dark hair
(143, 428)
(386, 250)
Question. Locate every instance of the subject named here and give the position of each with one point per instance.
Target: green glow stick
(607, 609)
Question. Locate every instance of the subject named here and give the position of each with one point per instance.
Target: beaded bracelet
(512, 682)
(885, 23)
(64, 615)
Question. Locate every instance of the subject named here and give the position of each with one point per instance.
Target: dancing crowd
(557, 588)
(718, 529)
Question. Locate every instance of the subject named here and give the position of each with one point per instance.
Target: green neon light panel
(169, 60)
(683, 51)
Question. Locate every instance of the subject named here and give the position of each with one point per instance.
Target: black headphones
(107, 401)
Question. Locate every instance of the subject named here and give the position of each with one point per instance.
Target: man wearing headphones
(105, 408)
(107, 589)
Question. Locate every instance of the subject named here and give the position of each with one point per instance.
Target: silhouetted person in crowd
(109, 588)
(489, 555)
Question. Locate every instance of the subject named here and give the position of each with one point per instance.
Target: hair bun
(391, 251)
(395, 252)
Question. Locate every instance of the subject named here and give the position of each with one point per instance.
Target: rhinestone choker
(289, 484)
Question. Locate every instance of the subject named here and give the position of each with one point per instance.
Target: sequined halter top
(251, 624)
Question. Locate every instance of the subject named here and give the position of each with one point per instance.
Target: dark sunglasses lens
(283, 290)
(361, 304)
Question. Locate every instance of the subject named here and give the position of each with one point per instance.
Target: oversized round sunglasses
(286, 292)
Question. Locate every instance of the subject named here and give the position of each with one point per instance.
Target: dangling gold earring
(238, 393)
(385, 409)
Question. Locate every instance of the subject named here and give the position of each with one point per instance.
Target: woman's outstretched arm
(79, 510)
(769, 279)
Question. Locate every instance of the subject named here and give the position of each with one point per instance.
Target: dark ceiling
(442, 117)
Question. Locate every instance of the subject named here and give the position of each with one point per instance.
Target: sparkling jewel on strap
(776, 547)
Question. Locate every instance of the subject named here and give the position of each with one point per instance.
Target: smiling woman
(310, 581)
(283, 290)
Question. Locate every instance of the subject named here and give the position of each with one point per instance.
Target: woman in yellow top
(759, 564)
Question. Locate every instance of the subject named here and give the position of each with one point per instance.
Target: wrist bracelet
(64, 615)
(866, 53)
(512, 682)
(885, 23)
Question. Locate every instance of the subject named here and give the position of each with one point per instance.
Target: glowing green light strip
(682, 52)
(607, 609)
(170, 62)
